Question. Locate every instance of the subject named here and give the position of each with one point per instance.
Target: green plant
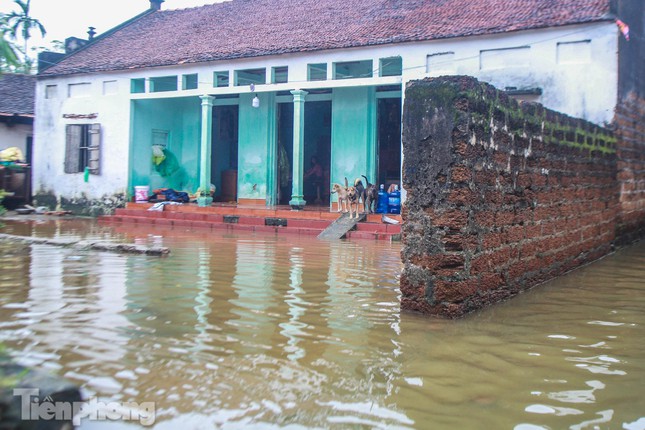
(3, 210)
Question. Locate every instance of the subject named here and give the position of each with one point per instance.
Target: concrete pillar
(297, 201)
(205, 152)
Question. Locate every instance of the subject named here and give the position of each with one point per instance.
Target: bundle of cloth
(170, 195)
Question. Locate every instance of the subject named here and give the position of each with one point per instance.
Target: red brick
(454, 291)
(453, 219)
(439, 261)
(463, 196)
(485, 219)
(460, 174)
(490, 281)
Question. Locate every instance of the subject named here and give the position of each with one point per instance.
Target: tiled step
(309, 223)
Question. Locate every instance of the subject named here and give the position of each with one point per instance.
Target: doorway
(285, 153)
(224, 152)
(389, 141)
(317, 148)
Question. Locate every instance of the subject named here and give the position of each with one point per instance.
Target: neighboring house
(17, 94)
(243, 93)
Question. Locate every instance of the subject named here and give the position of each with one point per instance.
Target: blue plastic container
(382, 201)
(394, 201)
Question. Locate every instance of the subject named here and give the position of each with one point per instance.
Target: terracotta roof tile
(251, 28)
(17, 93)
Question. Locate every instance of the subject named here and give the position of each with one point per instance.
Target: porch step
(339, 228)
(231, 218)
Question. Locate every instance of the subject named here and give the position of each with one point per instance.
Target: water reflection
(268, 332)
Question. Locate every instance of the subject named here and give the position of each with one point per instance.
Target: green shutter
(72, 145)
(94, 150)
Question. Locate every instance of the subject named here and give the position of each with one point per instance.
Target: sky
(65, 18)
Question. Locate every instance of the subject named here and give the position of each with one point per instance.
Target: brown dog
(370, 196)
(342, 197)
(352, 199)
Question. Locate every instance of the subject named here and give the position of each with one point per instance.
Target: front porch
(262, 152)
(235, 217)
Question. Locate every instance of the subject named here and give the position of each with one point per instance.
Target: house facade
(243, 96)
(17, 112)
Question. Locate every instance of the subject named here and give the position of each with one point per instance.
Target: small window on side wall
(51, 91)
(137, 85)
(189, 82)
(280, 75)
(110, 88)
(163, 83)
(250, 76)
(317, 72)
(392, 66)
(83, 148)
(353, 69)
(220, 79)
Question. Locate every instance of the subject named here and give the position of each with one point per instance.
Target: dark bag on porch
(176, 196)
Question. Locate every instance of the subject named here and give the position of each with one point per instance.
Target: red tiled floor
(310, 221)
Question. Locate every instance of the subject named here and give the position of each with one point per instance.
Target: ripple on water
(260, 331)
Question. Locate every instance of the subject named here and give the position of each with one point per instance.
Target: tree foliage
(14, 26)
(8, 55)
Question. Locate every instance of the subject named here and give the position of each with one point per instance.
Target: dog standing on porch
(342, 197)
(353, 197)
(370, 196)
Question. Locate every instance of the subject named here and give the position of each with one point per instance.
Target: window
(110, 87)
(79, 90)
(353, 69)
(279, 75)
(163, 83)
(82, 148)
(504, 58)
(137, 85)
(317, 72)
(189, 82)
(51, 91)
(441, 63)
(250, 76)
(574, 52)
(392, 66)
(160, 138)
(220, 79)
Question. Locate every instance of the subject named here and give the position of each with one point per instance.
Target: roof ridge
(102, 36)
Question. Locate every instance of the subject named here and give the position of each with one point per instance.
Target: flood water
(249, 331)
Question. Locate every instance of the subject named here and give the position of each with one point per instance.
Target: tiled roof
(251, 28)
(17, 93)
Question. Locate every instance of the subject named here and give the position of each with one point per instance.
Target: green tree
(23, 24)
(8, 56)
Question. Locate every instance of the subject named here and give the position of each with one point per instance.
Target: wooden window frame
(83, 148)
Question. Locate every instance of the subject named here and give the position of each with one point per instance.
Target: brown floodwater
(253, 331)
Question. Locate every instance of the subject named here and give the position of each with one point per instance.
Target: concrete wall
(15, 135)
(108, 98)
(569, 64)
(630, 130)
(630, 122)
(500, 197)
(551, 60)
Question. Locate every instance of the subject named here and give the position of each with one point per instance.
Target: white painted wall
(15, 135)
(578, 81)
(582, 81)
(113, 113)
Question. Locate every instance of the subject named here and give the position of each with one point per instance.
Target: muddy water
(244, 331)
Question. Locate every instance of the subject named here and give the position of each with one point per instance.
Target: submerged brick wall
(501, 197)
(630, 131)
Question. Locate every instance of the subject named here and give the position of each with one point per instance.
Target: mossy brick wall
(630, 126)
(500, 196)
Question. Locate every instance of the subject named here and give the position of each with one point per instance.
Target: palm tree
(8, 57)
(21, 22)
